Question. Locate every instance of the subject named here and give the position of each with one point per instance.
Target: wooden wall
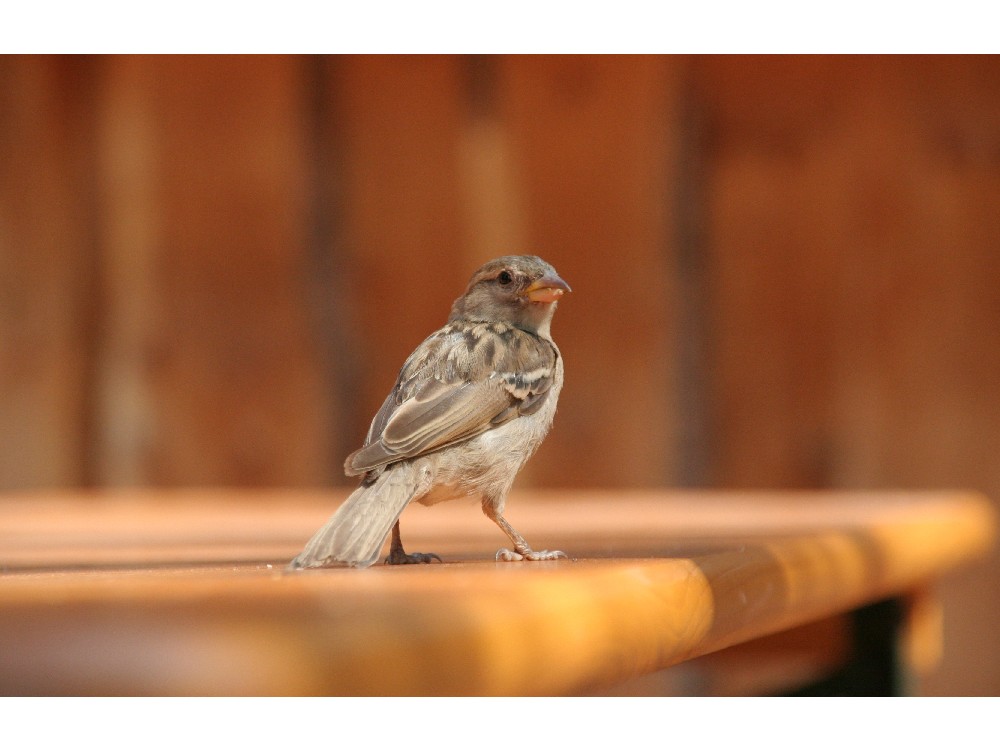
(786, 270)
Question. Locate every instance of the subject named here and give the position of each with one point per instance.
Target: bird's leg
(521, 549)
(397, 556)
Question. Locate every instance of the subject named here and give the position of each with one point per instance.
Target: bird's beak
(549, 288)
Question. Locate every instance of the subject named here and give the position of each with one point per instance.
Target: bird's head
(518, 289)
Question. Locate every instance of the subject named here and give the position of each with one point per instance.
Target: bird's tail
(354, 535)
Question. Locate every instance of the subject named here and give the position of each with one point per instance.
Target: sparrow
(470, 406)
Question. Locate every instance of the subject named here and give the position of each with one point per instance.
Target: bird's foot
(509, 555)
(398, 557)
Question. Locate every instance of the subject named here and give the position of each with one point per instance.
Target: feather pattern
(459, 383)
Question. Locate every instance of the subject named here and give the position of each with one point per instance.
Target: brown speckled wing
(460, 382)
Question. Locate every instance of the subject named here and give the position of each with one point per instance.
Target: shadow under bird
(469, 407)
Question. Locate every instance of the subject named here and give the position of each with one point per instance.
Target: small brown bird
(469, 407)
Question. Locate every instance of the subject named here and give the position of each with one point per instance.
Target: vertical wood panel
(592, 141)
(125, 401)
(206, 234)
(46, 256)
(774, 257)
(851, 239)
(400, 119)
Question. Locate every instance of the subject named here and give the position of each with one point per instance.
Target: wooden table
(185, 593)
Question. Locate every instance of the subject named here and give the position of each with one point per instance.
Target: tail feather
(356, 532)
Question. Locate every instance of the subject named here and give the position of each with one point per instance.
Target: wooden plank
(212, 372)
(851, 220)
(47, 258)
(662, 578)
(772, 263)
(401, 263)
(592, 159)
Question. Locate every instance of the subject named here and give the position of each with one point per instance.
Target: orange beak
(547, 289)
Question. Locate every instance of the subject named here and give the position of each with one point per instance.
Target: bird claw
(509, 555)
(398, 557)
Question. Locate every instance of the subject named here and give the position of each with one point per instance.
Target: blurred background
(786, 270)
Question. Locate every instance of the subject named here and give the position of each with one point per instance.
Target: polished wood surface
(185, 593)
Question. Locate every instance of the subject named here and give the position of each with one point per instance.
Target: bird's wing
(459, 383)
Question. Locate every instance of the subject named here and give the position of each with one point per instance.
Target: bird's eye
(505, 278)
